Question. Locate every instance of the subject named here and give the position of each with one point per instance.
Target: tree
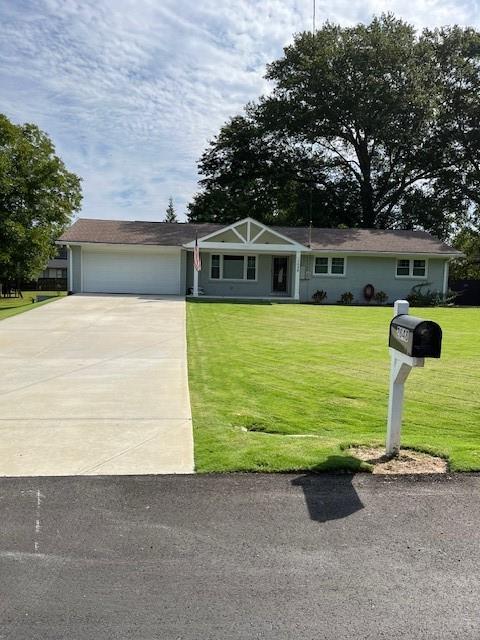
(37, 199)
(357, 120)
(468, 242)
(251, 173)
(171, 216)
(458, 59)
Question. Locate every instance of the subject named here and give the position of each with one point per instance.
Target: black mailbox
(415, 337)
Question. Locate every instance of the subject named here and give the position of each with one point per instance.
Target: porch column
(445, 277)
(296, 289)
(70, 269)
(195, 283)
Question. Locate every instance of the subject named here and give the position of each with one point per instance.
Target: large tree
(362, 122)
(249, 171)
(37, 199)
(458, 58)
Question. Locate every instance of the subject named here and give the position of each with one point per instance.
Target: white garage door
(131, 272)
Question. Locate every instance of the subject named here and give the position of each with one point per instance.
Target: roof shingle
(87, 230)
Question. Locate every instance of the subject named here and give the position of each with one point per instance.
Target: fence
(52, 284)
(468, 290)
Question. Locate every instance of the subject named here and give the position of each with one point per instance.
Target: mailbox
(415, 337)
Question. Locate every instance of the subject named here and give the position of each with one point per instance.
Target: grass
(263, 374)
(12, 306)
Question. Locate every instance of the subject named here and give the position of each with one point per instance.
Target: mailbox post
(411, 340)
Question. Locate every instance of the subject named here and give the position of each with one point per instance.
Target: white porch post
(195, 282)
(445, 277)
(70, 270)
(296, 290)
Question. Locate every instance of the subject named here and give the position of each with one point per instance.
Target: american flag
(197, 261)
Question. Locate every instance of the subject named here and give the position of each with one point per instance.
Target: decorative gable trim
(249, 240)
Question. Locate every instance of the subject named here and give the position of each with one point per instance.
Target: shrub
(380, 297)
(346, 298)
(429, 298)
(319, 296)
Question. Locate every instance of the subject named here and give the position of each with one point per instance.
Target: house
(248, 259)
(57, 267)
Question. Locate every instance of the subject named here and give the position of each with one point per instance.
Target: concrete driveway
(95, 385)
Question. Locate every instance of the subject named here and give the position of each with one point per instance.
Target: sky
(131, 91)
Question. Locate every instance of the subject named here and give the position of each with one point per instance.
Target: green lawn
(12, 306)
(322, 373)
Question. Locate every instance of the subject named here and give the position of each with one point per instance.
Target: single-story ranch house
(250, 260)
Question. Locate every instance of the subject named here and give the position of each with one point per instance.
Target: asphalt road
(240, 556)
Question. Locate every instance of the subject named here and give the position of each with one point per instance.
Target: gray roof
(87, 230)
(368, 240)
(128, 232)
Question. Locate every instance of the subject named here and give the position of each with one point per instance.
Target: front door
(280, 270)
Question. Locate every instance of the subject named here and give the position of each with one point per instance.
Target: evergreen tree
(171, 215)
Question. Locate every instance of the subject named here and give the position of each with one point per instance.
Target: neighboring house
(250, 260)
(57, 266)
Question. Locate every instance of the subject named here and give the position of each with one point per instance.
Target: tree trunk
(366, 189)
(368, 211)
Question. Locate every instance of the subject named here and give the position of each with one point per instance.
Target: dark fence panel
(468, 290)
(52, 284)
(42, 284)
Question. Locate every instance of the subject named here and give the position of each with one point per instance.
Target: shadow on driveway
(329, 497)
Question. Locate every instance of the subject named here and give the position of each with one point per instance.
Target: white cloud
(132, 90)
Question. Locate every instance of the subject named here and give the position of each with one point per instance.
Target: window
(215, 268)
(329, 266)
(419, 268)
(251, 268)
(403, 267)
(233, 267)
(407, 268)
(321, 265)
(337, 266)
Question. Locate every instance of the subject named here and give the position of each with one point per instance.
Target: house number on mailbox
(403, 334)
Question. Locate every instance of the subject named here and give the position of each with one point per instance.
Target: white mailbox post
(411, 340)
(400, 367)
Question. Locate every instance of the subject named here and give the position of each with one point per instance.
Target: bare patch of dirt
(407, 462)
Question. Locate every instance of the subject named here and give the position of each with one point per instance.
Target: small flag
(197, 261)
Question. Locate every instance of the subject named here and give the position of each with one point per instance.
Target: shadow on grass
(204, 299)
(331, 497)
(16, 306)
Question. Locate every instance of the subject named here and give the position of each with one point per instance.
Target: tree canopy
(369, 126)
(37, 199)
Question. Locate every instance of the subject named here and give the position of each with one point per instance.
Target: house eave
(265, 248)
(126, 247)
(386, 254)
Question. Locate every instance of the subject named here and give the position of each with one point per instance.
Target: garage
(148, 271)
